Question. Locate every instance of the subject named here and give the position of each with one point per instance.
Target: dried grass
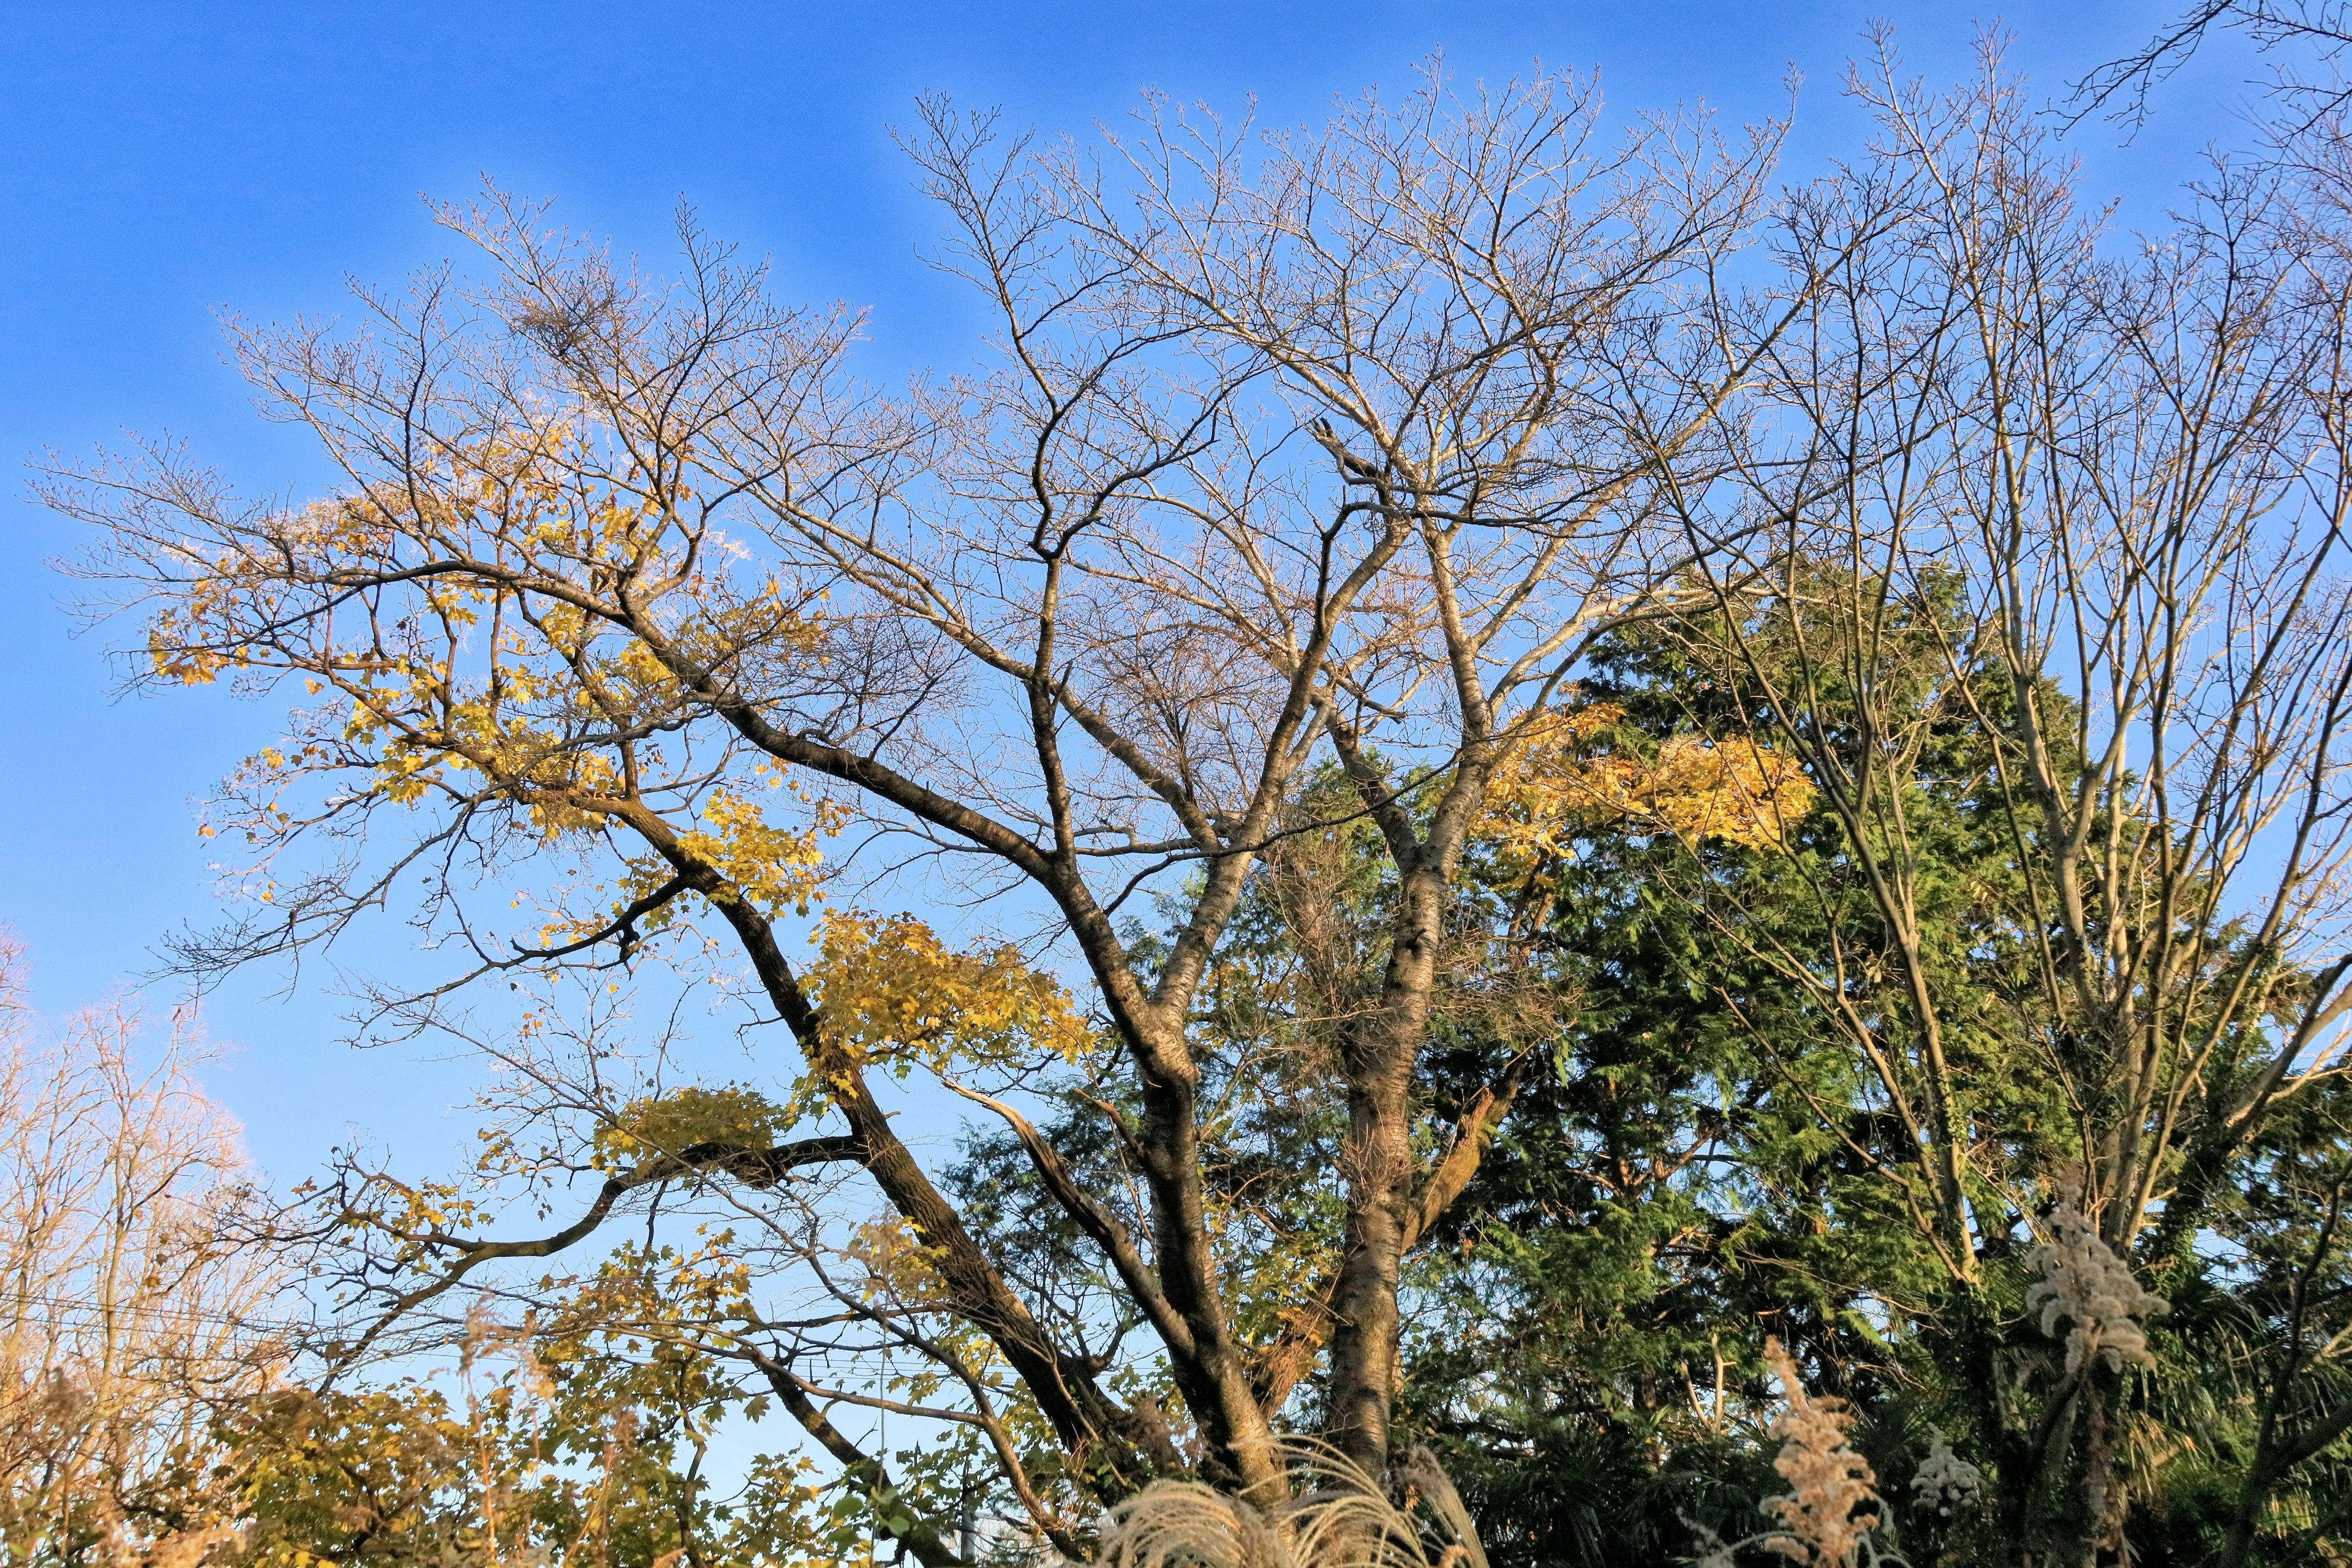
(1342, 1518)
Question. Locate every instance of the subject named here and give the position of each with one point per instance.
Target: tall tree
(1404, 558)
(2075, 523)
(1326, 444)
(129, 1319)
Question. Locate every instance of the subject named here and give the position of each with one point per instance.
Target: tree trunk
(1378, 1059)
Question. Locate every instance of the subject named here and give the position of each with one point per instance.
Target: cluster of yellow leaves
(555, 668)
(898, 1265)
(736, 1117)
(644, 1298)
(775, 868)
(475, 736)
(231, 591)
(888, 990)
(510, 728)
(413, 1212)
(1562, 777)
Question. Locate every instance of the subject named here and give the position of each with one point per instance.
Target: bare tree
(1317, 446)
(2069, 566)
(2319, 30)
(127, 1321)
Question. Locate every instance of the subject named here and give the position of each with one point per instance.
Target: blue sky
(164, 161)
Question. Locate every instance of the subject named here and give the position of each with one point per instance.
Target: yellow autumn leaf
(1562, 777)
(889, 990)
(733, 1116)
(771, 868)
(899, 1265)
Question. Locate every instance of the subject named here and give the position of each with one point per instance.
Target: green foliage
(1706, 1159)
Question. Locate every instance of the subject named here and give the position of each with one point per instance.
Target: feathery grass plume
(1343, 1518)
(1426, 1482)
(1818, 1521)
(2085, 1283)
(1174, 1524)
(1944, 1482)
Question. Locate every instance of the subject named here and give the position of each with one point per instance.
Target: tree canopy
(1542, 805)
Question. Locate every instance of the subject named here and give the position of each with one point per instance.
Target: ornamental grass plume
(1819, 1524)
(1945, 1481)
(1344, 1518)
(2083, 1282)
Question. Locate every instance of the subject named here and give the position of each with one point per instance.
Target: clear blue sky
(164, 160)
